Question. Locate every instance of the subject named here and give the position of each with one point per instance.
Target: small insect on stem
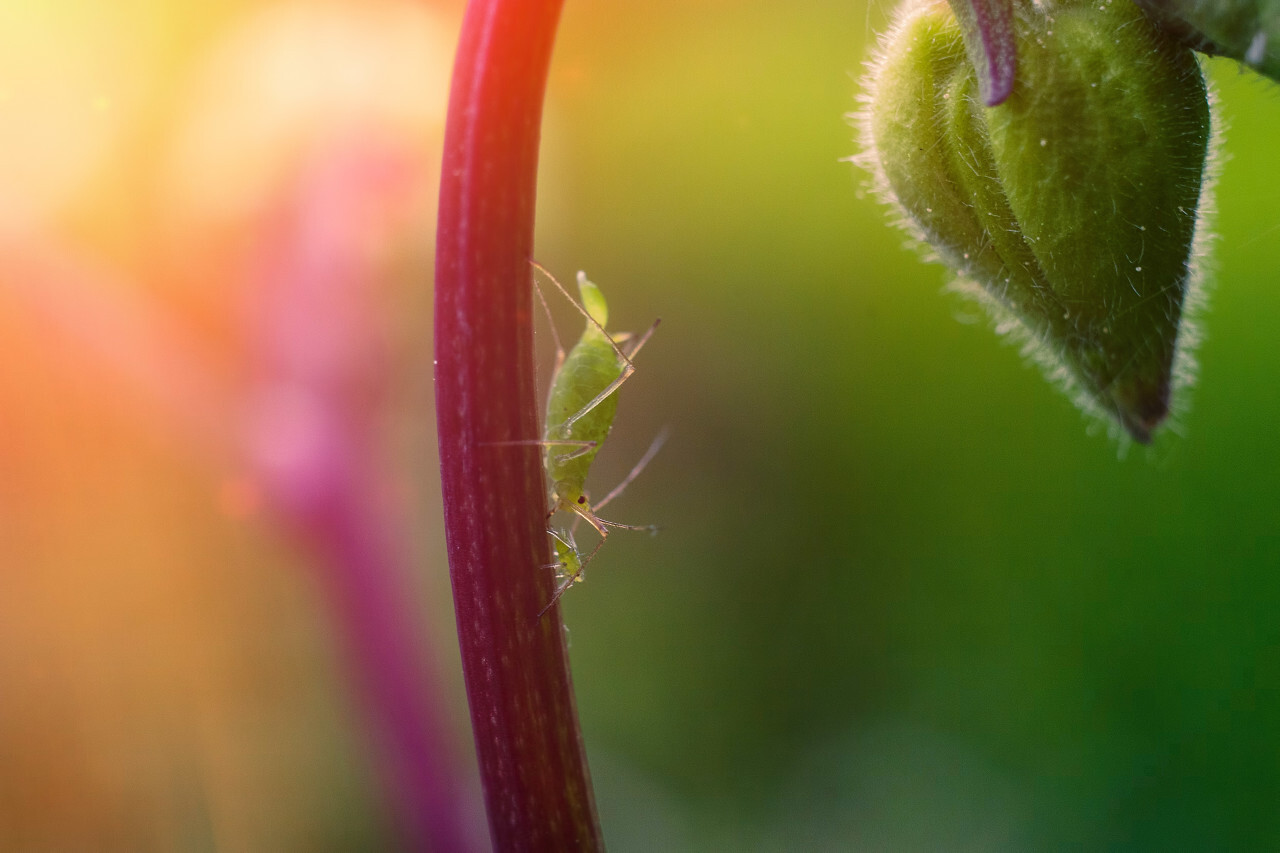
(581, 404)
(570, 562)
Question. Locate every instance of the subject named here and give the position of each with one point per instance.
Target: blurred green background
(905, 596)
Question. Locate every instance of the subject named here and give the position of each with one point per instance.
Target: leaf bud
(1069, 210)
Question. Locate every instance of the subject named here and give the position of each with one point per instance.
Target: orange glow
(238, 498)
(67, 90)
(172, 673)
(294, 74)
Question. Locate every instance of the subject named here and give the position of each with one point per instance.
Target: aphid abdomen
(588, 369)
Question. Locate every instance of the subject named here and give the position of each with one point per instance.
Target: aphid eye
(582, 499)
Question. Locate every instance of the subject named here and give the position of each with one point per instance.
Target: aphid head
(570, 496)
(573, 498)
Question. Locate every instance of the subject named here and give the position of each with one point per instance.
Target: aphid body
(581, 406)
(568, 562)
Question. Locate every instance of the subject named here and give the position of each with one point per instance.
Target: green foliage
(900, 601)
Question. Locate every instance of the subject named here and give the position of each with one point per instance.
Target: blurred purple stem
(431, 799)
(317, 342)
(321, 356)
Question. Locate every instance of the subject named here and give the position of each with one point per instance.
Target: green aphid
(570, 562)
(581, 405)
(582, 402)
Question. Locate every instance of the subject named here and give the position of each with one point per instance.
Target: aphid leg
(583, 311)
(630, 343)
(602, 525)
(560, 590)
(575, 575)
(582, 446)
(642, 340)
(658, 441)
(627, 370)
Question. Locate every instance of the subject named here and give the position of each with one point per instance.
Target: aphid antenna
(560, 590)
(585, 513)
(581, 310)
(551, 324)
(567, 539)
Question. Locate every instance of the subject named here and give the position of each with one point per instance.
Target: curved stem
(532, 763)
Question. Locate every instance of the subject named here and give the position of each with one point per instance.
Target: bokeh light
(178, 674)
(902, 597)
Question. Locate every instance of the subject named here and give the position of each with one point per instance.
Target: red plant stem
(532, 764)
